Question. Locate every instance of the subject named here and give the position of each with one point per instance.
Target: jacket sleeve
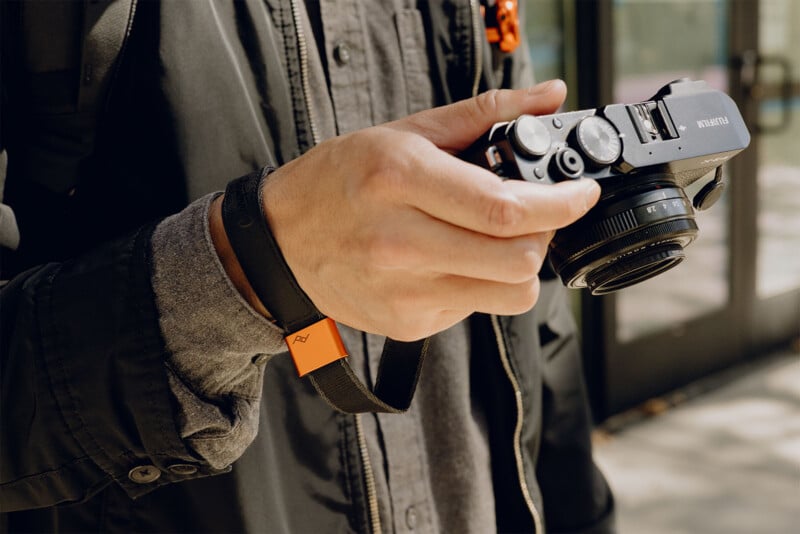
(85, 399)
(108, 380)
(217, 345)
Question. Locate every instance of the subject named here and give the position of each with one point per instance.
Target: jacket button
(144, 474)
(411, 517)
(183, 470)
(258, 359)
(341, 53)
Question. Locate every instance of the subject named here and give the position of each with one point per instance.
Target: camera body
(643, 156)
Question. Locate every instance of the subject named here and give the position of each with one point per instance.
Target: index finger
(474, 198)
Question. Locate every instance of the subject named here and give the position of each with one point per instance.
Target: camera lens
(628, 237)
(631, 270)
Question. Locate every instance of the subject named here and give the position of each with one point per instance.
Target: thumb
(455, 127)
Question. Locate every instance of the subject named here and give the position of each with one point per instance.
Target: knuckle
(386, 251)
(380, 180)
(407, 322)
(530, 263)
(503, 215)
(487, 103)
(384, 175)
(526, 296)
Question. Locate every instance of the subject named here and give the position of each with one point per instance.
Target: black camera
(643, 156)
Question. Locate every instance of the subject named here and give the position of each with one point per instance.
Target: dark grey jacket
(84, 396)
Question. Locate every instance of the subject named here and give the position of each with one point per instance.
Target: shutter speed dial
(598, 140)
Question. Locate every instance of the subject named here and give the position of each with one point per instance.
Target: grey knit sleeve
(218, 345)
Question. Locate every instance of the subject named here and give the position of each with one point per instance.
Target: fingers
(453, 128)
(417, 311)
(420, 309)
(473, 198)
(414, 242)
(484, 296)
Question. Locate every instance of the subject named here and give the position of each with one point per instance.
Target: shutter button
(144, 474)
(341, 53)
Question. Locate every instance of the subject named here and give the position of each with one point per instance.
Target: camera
(643, 156)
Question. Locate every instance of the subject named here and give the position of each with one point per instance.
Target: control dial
(530, 136)
(598, 140)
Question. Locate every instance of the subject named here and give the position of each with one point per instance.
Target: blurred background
(694, 375)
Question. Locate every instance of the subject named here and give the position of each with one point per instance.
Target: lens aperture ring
(606, 223)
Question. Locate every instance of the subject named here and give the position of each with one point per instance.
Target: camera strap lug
(710, 193)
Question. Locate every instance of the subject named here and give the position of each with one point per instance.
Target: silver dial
(598, 140)
(530, 136)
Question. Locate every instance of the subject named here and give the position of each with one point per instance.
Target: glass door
(689, 41)
(739, 288)
(774, 88)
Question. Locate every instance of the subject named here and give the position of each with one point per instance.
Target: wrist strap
(312, 338)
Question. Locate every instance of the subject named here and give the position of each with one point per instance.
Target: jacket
(86, 408)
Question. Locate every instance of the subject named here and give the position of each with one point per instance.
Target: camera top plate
(686, 130)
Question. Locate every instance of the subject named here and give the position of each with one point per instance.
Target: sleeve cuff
(218, 344)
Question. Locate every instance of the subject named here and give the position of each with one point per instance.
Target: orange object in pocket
(502, 25)
(315, 346)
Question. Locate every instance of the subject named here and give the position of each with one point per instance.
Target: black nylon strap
(260, 257)
(272, 280)
(398, 372)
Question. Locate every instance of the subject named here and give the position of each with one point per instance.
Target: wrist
(227, 257)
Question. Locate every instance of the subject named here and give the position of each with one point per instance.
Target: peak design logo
(301, 339)
(715, 121)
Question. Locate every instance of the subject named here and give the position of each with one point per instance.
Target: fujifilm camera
(643, 155)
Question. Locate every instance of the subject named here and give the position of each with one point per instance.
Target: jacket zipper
(302, 48)
(501, 346)
(477, 49)
(369, 479)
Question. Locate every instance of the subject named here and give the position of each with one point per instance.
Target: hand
(387, 231)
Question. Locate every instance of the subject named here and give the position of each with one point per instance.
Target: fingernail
(544, 87)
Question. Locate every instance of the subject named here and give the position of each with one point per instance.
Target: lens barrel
(628, 237)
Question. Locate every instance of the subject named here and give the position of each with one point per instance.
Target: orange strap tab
(502, 25)
(315, 346)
